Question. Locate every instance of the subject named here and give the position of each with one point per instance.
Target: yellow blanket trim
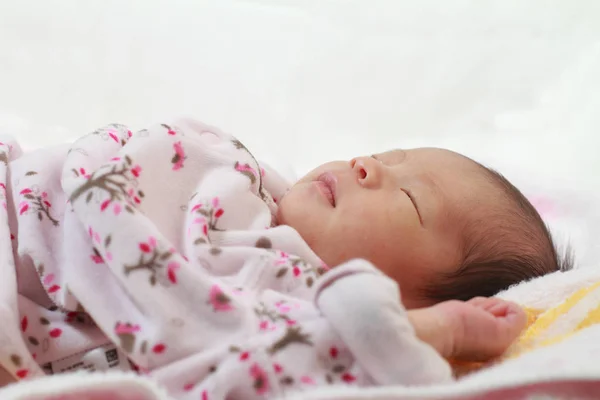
(593, 317)
(538, 321)
(546, 319)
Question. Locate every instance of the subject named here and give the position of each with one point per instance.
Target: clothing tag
(99, 359)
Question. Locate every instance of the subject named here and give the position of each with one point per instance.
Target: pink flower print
(277, 368)
(199, 220)
(24, 324)
(23, 207)
(53, 289)
(55, 333)
(115, 159)
(219, 213)
(196, 207)
(136, 171)
(307, 380)
(113, 136)
(296, 271)
(132, 195)
(159, 348)
(244, 356)
(245, 168)
(215, 202)
(172, 268)
(22, 373)
(333, 352)
(129, 134)
(266, 326)
(145, 247)
(261, 380)
(95, 236)
(219, 300)
(148, 247)
(262, 172)
(348, 378)
(290, 322)
(3, 187)
(282, 307)
(71, 316)
(48, 279)
(204, 395)
(122, 328)
(117, 208)
(179, 156)
(104, 204)
(25, 191)
(45, 199)
(83, 173)
(283, 258)
(97, 259)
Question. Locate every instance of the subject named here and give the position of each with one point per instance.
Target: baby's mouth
(327, 183)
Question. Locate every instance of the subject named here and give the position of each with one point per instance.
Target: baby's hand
(476, 330)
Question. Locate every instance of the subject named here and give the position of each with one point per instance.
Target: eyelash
(414, 203)
(406, 192)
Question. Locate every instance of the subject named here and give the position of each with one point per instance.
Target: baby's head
(441, 225)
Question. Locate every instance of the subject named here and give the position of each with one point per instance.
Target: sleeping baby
(173, 252)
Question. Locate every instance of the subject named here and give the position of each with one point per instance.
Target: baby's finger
(478, 301)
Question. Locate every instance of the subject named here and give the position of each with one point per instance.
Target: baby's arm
(363, 307)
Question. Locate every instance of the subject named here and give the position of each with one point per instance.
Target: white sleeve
(364, 307)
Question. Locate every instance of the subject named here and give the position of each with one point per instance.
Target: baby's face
(402, 210)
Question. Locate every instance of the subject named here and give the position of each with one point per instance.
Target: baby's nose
(367, 171)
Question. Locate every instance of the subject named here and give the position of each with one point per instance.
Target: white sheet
(327, 79)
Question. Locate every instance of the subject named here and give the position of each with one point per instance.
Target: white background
(512, 83)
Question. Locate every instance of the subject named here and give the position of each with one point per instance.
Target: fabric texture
(159, 252)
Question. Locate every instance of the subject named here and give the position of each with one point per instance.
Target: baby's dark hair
(506, 246)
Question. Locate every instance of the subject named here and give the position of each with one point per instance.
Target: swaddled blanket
(160, 250)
